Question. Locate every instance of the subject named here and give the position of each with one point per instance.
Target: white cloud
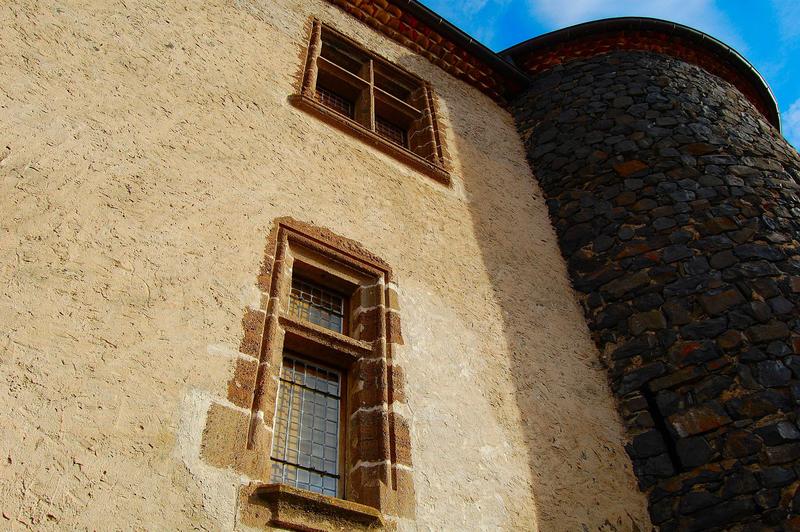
(791, 124)
(788, 14)
(472, 6)
(477, 17)
(700, 14)
(458, 10)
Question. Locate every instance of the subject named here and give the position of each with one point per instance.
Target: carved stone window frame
(377, 465)
(425, 150)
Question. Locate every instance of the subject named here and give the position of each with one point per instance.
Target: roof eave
(645, 23)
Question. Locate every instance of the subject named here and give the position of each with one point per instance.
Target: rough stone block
(252, 323)
(718, 301)
(647, 444)
(693, 452)
(698, 420)
(772, 477)
(772, 373)
(739, 483)
(242, 384)
(774, 330)
(651, 320)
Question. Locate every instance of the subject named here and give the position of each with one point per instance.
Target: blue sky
(766, 32)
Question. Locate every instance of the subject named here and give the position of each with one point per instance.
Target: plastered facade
(146, 150)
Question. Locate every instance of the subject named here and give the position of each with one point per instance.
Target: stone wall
(650, 36)
(677, 209)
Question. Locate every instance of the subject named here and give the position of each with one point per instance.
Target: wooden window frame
(422, 147)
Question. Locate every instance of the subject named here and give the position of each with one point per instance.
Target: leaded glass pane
(335, 101)
(305, 445)
(390, 130)
(311, 302)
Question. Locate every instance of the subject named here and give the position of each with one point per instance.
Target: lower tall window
(305, 445)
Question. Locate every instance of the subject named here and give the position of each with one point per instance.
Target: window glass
(335, 101)
(305, 445)
(390, 131)
(314, 303)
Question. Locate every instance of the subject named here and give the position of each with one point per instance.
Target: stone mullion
(241, 387)
(424, 148)
(376, 444)
(371, 95)
(391, 19)
(309, 87)
(367, 467)
(422, 135)
(369, 440)
(430, 122)
(403, 494)
(434, 121)
(381, 350)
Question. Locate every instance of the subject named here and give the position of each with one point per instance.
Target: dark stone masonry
(677, 207)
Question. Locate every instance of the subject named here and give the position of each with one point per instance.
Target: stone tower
(676, 204)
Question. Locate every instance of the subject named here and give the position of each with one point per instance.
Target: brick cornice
(497, 74)
(425, 33)
(651, 35)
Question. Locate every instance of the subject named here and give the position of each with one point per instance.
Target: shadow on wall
(678, 206)
(580, 473)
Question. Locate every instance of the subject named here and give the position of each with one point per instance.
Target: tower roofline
(643, 33)
(504, 74)
(462, 38)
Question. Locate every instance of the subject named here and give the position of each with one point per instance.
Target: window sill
(357, 130)
(296, 509)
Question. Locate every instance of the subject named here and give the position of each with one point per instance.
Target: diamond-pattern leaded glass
(390, 131)
(338, 103)
(305, 444)
(311, 302)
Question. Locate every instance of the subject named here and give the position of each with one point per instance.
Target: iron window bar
(373, 93)
(390, 131)
(334, 101)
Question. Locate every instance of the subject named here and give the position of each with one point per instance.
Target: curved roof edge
(427, 34)
(722, 51)
(467, 42)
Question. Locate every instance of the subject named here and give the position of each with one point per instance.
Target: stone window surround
(377, 463)
(305, 99)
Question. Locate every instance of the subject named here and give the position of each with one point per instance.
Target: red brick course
(540, 59)
(414, 34)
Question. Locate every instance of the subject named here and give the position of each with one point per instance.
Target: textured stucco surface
(146, 147)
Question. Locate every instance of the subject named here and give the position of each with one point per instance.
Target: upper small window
(315, 303)
(374, 96)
